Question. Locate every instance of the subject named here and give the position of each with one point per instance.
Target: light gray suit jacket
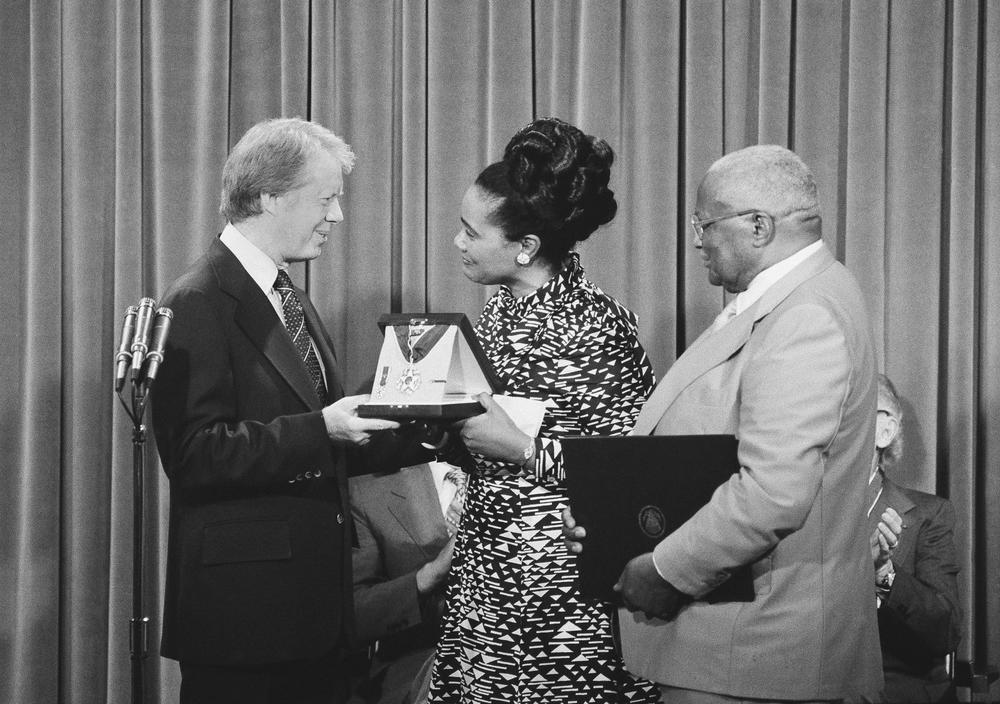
(793, 377)
(400, 527)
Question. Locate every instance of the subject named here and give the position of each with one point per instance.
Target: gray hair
(888, 400)
(769, 177)
(270, 158)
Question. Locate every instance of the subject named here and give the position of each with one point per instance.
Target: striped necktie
(872, 495)
(295, 323)
(453, 514)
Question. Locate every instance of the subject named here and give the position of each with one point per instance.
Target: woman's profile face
(488, 257)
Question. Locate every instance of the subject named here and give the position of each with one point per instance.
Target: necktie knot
(456, 477)
(727, 314)
(283, 280)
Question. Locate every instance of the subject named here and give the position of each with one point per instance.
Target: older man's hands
(885, 537)
(643, 589)
(640, 585)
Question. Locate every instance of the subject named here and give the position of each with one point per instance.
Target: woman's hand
(493, 434)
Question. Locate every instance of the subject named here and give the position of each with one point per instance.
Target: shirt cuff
(658, 570)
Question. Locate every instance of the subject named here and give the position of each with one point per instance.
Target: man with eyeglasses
(789, 369)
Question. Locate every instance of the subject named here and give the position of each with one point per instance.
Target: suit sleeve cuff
(670, 568)
(659, 570)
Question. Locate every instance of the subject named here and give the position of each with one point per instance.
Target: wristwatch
(883, 581)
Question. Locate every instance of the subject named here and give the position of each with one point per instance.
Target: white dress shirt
(445, 489)
(765, 280)
(262, 270)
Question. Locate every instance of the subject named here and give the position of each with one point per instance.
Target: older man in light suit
(789, 368)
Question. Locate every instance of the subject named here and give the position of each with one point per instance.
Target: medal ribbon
(423, 345)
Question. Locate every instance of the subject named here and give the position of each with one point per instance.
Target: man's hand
(343, 424)
(432, 574)
(493, 434)
(643, 589)
(885, 537)
(572, 533)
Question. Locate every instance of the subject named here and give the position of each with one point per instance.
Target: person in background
(252, 428)
(789, 369)
(405, 523)
(516, 629)
(919, 617)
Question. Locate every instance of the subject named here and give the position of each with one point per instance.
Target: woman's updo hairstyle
(553, 183)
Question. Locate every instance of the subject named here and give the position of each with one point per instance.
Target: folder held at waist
(631, 492)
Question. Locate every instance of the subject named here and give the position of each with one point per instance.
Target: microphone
(124, 356)
(140, 341)
(161, 326)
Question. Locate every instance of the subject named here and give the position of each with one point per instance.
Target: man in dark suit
(252, 427)
(919, 617)
(400, 567)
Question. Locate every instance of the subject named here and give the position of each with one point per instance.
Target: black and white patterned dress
(516, 629)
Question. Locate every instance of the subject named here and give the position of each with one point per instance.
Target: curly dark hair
(553, 183)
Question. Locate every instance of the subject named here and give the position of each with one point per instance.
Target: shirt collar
(569, 277)
(261, 267)
(772, 274)
(438, 471)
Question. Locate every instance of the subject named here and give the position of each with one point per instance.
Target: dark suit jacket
(258, 561)
(400, 528)
(920, 621)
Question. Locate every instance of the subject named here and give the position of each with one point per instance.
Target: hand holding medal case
(431, 367)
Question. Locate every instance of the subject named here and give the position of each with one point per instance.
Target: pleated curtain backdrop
(118, 114)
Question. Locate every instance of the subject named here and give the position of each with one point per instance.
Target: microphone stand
(139, 363)
(139, 623)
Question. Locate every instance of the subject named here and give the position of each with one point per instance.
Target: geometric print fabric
(516, 628)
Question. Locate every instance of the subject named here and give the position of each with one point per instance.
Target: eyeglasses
(699, 226)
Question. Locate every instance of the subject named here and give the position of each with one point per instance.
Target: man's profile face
(725, 246)
(306, 214)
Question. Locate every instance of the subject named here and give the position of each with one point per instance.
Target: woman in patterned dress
(516, 628)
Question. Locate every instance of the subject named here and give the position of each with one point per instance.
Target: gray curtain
(117, 116)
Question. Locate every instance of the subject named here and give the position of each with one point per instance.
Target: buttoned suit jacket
(920, 620)
(258, 560)
(793, 377)
(400, 528)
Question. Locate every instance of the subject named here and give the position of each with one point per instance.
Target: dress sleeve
(610, 380)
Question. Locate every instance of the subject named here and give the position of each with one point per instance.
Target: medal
(409, 380)
(415, 343)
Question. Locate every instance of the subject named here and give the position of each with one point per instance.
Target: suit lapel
(416, 507)
(256, 317)
(715, 347)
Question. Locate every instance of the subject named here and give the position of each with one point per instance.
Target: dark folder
(631, 492)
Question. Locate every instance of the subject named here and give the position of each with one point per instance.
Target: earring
(523, 259)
